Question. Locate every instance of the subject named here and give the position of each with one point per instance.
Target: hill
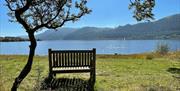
(165, 28)
(55, 35)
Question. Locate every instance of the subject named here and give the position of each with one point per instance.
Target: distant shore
(13, 39)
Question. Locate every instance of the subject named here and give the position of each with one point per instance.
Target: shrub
(162, 48)
(149, 57)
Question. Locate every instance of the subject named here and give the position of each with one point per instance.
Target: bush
(149, 57)
(162, 48)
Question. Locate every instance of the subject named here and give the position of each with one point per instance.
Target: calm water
(102, 46)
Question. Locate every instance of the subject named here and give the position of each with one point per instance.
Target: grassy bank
(138, 72)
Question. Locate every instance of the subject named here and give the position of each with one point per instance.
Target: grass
(135, 72)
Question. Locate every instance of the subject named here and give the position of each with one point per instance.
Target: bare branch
(19, 12)
(49, 21)
(22, 2)
(9, 6)
(37, 14)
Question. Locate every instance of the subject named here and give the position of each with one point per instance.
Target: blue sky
(106, 13)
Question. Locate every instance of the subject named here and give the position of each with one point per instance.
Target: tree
(142, 9)
(34, 15)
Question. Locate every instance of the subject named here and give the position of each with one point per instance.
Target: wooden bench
(72, 61)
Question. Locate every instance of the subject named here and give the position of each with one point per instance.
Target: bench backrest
(72, 58)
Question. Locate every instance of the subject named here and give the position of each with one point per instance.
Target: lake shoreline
(138, 55)
(102, 46)
(24, 40)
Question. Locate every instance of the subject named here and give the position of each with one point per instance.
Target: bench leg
(92, 80)
(52, 75)
(92, 77)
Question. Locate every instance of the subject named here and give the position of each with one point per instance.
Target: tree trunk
(27, 67)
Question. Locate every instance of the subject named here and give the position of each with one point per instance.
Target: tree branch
(20, 11)
(57, 14)
(9, 6)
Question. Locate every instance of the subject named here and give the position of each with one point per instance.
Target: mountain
(165, 28)
(87, 33)
(55, 34)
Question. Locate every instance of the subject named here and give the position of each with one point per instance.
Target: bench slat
(57, 60)
(86, 59)
(65, 59)
(82, 59)
(62, 60)
(79, 60)
(68, 63)
(89, 58)
(53, 60)
(71, 59)
(74, 59)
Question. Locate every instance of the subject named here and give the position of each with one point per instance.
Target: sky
(105, 13)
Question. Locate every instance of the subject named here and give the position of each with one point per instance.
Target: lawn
(139, 72)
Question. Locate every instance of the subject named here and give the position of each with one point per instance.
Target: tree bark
(27, 67)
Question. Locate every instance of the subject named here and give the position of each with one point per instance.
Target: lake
(102, 46)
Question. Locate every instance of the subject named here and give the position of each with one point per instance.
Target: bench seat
(70, 68)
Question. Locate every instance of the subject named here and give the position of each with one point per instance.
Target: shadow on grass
(66, 84)
(153, 88)
(175, 71)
